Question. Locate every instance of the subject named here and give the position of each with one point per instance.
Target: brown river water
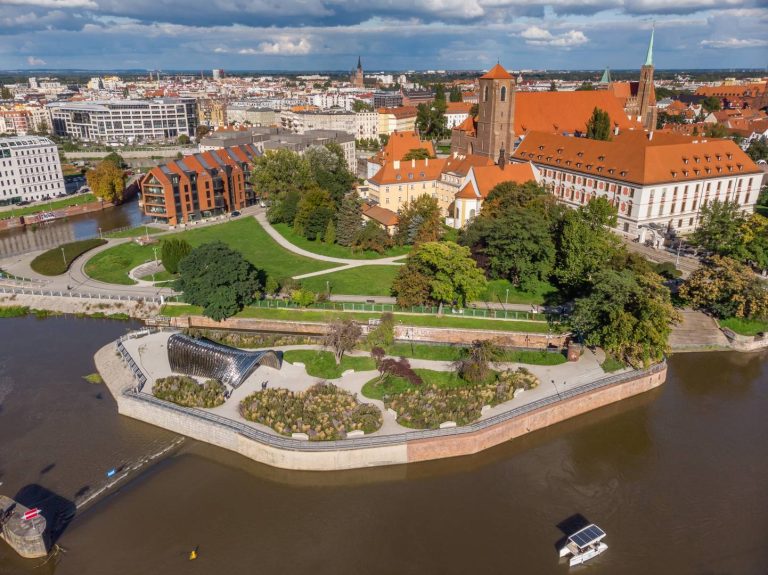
(677, 477)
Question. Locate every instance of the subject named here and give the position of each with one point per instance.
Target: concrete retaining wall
(745, 343)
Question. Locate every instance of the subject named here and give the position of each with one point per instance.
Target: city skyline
(329, 35)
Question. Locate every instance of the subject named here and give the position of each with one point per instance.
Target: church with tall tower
(496, 112)
(640, 97)
(357, 78)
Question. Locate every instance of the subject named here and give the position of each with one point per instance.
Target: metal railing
(78, 295)
(278, 441)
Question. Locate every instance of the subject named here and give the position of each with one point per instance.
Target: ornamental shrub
(187, 392)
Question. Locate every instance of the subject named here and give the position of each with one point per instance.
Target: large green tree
(328, 169)
(172, 252)
(720, 228)
(218, 279)
(278, 174)
(419, 221)
(628, 314)
(455, 95)
(711, 103)
(758, 149)
(349, 220)
(107, 182)
(599, 125)
(431, 120)
(315, 210)
(447, 268)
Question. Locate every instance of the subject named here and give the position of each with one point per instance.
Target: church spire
(359, 63)
(649, 57)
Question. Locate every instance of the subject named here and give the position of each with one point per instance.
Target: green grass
(245, 236)
(161, 276)
(48, 206)
(452, 353)
(414, 320)
(612, 364)
(13, 311)
(497, 292)
(391, 385)
(335, 250)
(742, 326)
(323, 364)
(135, 232)
(365, 280)
(54, 262)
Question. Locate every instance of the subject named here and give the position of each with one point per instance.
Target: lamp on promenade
(556, 390)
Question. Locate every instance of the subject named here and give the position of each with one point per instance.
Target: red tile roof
(381, 215)
(488, 177)
(496, 73)
(410, 171)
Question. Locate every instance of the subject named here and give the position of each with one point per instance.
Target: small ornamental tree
(173, 251)
(372, 237)
(219, 279)
(341, 337)
(349, 220)
(475, 364)
(599, 125)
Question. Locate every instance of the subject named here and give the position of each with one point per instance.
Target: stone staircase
(696, 331)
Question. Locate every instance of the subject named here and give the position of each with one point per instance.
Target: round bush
(187, 392)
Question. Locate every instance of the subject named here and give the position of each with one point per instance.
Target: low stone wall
(402, 332)
(409, 447)
(745, 343)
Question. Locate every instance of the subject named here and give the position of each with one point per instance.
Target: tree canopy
(430, 119)
(107, 181)
(599, 125)
(219, 279)
(419, 221)
(172, 252)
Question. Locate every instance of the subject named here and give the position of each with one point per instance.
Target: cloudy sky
(388, 34)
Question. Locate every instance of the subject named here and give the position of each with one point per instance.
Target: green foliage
(430, 119)
(419, 221)
(323, 364)
(474, 365)
(585, 87)
(116, 159)
(349, 220)
(758, 149)
(372, 237)
(328, 169)
(303, 297)
(271, 286)
(626, 313)
(667, 270)
(9, 311)
(746, 327)
(711, 103)
(279, 173)
(417, 154)
(330, 233)
(314, 211)
(94, 378)
(183, 140)
(324, 412)
(360, 106)
(107, 181)
(455, 95)
(173, 251)
(726, 231)
(383, 335)
(185, 391)
(599, 125)
(218, 279)
(716, 131)
(446, 269)
(54, 263)
(726, 288)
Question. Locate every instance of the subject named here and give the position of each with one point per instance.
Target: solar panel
(588, 535)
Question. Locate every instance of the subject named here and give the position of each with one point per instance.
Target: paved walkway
(685, 264)
(696, 331)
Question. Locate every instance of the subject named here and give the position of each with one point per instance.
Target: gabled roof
(399, 144)
(460, 165)
(496, 73)
(482, 179)
(381, 215)
(636, 159)
(408, 172)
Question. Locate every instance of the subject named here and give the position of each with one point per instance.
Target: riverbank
(119, 309)
(387, 447)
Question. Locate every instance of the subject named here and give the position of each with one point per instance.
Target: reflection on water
(52, 234)
(678, 478)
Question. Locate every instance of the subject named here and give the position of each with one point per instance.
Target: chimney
(413, 162)
(616, 130)
(396, 164)
(650, 135)
(426, 162)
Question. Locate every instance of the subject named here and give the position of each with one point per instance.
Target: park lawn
(335, 250)
(406, 319)
(135, 232)
(497, 292)
(323, 364)
(48, 206)
(56, 261)
(612, 364)
(452, 353)
(742, 326)
(363, 280)
(245, 236)
(391, 385)
(162, 276)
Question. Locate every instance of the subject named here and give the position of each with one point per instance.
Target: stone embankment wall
(366, 452)
(402, 332)
(746, 343)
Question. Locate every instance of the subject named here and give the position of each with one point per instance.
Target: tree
(303, 297)
(711, 103)
(341, 337)
(452, 274)
(585, 245)
(585, 87)
(5, 93)
(383, 335)
(430, 119)
(716, 131)
(412, 287)
(360, 106)
(330, 233)
(328, 169)
(419, 221)
(456, 95)
(349, 219)
(372, 237)
(116, 159)
(628, 314)
(599, 125)
(172, 252)
(417, 154)
(201, 131)
(218, 279)
(280, 175)
(552, 86)
(107, 182)
(726, 288)
(758, 149)
(315, 210)
(720, 228)
(183, 140)
(474, 365)
(474, 110)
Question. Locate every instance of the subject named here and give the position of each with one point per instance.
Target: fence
(277, 441)
(78, 295)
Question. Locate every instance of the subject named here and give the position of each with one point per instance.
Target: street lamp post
(64, 256)
(100, 236)
(506, 297)
(679, 244)
(328, 288)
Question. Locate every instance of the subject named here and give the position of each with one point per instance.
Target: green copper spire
(606, 79)
(649, 57)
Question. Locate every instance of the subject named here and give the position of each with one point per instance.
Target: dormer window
(674, 174)
(685, 172)
(589, 166)
(708, 170)
(708, 158)
(410, 175)
(541, 147)
(697, 159)
(685, 160)
(578, 164)
(601, 158)
(623, 173)
(729, 156)
(718, 156)
(580, 154)
(398, 177)
(697, 172)
(559, 150)
(599, 168)
(719, 169)
(567, 162)
(611, 170)
(421, 174)
(740, 166)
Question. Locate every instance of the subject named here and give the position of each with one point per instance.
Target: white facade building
(29, 169)
(367, 125)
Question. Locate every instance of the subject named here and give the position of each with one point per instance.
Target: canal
(678, 478)
(52, 234)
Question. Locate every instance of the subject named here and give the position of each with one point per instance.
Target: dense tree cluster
(107, 181)
(172, 252)
(419, 221)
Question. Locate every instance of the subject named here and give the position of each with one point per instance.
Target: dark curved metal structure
(205, 358)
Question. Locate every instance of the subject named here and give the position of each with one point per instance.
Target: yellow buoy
(193, 554)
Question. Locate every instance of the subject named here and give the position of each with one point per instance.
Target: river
(678, 477)
(57, 232)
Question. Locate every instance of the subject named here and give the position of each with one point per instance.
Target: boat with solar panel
(585, 544)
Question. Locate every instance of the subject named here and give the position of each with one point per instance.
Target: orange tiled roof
(458, 108)
(731, 91)
(460, 165)
(496, 73)
(410, 171)
(488, 177)
(637, 160)
(400, 112)
(381, 215)
(399, 144)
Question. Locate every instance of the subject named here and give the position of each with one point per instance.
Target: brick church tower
(496, 113)
(646, 97)
(358, 79)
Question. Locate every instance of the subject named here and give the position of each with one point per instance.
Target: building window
(503, 93)
(485, 94)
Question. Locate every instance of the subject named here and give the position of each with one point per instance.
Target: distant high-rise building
(357, 78)
(218, 73)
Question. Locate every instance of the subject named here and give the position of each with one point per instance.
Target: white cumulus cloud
(32, 61)
(281, 47)
(536, 36)
(735, 43)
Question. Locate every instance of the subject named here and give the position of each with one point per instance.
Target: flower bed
(187, 392)
(324, 412)
(428, 406)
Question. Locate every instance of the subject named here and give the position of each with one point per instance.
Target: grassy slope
(134, 232)
(497, 292)
(748, 327)
(365, 280)
(452, 353)
(52, 262)
(48, 206)
(335, 250)
(245, 236)
(392, 384)
(323, 364)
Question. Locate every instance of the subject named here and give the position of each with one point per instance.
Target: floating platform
(25, 536)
